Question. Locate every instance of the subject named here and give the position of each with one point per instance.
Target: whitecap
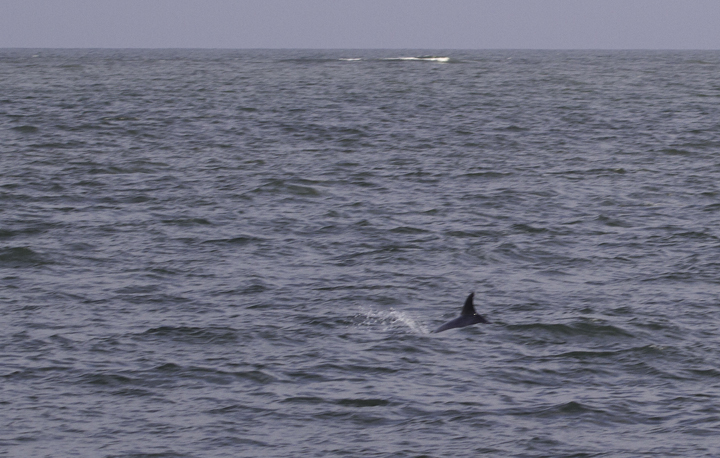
(442, 59)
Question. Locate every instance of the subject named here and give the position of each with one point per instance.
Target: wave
(442, 59)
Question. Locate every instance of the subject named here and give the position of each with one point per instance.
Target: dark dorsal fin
(468, 308)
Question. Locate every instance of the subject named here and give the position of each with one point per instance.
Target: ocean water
(242, 253)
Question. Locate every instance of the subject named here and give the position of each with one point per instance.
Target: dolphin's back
(458, 322)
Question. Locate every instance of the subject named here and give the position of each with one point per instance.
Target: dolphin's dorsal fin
(468, 308)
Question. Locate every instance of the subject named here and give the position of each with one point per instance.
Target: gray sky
(472, 24)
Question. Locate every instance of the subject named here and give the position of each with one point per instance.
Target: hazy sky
(474, 24)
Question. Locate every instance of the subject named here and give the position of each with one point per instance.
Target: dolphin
(467, 317)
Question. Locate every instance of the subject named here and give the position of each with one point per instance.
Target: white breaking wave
(423, 58)
(350, 59)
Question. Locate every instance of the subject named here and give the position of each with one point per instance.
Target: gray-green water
(241, 253)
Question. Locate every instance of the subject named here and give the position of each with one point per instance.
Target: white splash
(391, 319)
(351, 59)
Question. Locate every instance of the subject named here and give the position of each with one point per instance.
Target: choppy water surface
(241, 253)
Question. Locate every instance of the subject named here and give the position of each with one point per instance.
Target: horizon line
(346, 49)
